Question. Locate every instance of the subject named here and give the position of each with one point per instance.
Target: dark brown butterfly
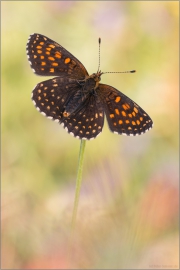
(76, 99)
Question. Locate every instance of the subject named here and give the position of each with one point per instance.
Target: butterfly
(77, 100)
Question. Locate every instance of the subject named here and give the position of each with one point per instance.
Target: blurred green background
(128, 210)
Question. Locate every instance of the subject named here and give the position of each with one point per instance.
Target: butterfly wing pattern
(76, 100)
(124, 116)
(48, 58)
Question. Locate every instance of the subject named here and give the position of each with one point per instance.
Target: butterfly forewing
(124, 116)
(48, 58)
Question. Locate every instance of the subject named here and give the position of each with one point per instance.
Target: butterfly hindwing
(87, 121)
(52, 97)
(124, 116)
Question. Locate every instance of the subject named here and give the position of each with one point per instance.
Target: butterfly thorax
(88, 88)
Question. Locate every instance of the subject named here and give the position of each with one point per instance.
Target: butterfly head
(96, 77)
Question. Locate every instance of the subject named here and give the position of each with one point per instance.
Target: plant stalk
(78, 182)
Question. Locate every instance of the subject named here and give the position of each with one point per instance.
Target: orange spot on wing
(123, 113)
(66, 114)
(67, 60)
(52, 46)
(127, 121)
(111, 115)
(41, 43)
(141, 118)
(117, 111)
(133, 123)
(58, 55)
(51, 58)
(126, 106)
(117, 99)
(43, 63)
(42, 56)
(135, 109)
(120, 122)
(51, 70)
(133, 113)
(55, 64)
(39, 47)
(39, 51)
(138, 122)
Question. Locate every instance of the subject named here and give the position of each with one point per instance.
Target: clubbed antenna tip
(99, 40)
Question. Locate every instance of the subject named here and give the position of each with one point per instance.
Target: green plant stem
(78, 182)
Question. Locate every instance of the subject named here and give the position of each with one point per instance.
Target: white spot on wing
(98, 134)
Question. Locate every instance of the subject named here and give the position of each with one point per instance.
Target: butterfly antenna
(128, 71)
(99, 40)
